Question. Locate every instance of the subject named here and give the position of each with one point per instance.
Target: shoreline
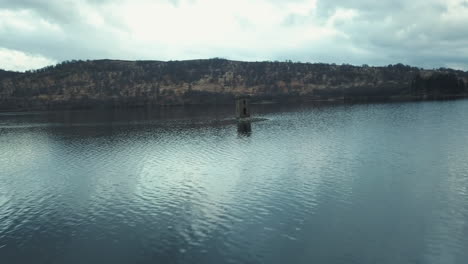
(106, 105)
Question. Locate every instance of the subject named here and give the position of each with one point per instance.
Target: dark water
(383, 183)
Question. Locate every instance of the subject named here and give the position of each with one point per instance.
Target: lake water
(378, 183)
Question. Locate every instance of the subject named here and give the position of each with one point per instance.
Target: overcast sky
(425, 33)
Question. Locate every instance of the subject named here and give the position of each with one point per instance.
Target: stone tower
(242, 106)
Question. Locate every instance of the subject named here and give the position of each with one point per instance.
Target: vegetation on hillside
(138, 83)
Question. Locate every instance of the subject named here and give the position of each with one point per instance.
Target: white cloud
(215, 25)
(20, 61)
(341, 16)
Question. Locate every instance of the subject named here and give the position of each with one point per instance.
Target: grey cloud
(294, 20)
(53, 10)
(405, 31)
(368, 7)
(384, 32)
(75, 40)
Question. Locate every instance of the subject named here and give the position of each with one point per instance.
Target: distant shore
(130, 84)
(97, 104)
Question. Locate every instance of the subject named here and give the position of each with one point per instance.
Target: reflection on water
(244, 128)
(383, 183)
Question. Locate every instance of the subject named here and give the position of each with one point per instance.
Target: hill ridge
(121, 83)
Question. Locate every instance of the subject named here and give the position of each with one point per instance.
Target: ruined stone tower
(242, 106)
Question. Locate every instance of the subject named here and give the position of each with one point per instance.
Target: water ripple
(345, 184)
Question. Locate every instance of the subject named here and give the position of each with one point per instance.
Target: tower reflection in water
(244, 128)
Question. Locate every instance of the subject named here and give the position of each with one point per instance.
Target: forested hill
(82, 84)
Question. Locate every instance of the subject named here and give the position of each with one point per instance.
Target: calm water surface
(381, 183)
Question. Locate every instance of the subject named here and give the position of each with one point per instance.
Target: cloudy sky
(425, 33)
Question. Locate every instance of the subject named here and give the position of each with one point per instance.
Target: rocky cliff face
(135, 83)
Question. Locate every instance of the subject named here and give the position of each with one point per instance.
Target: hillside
(83, 84)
